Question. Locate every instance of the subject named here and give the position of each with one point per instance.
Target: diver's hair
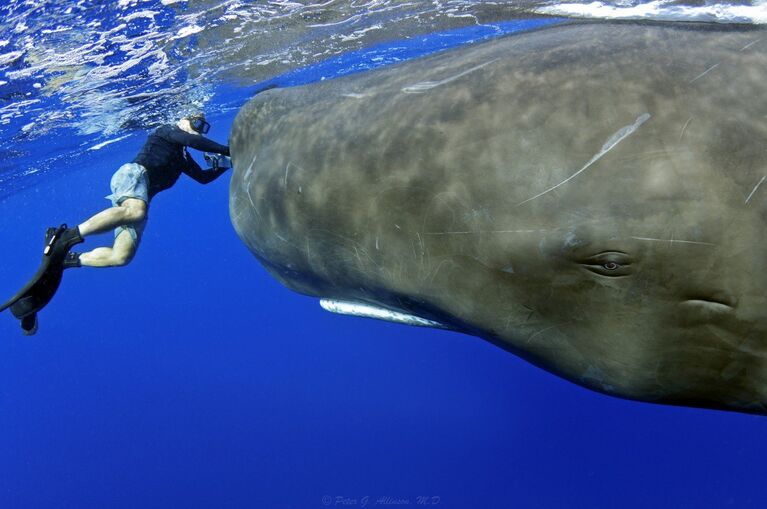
(193, 116)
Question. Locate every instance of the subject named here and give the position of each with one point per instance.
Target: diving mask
(199, 124)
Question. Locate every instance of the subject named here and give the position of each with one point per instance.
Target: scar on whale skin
(754, 190)
(699, 76)
(620, 135)
(423, 86)
(674, 241)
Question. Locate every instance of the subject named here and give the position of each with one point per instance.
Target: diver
(157, 167)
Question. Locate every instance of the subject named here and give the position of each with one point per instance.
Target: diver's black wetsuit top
(165, 157)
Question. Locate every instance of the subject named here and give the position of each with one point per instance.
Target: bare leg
(116, 256)
(129, 211)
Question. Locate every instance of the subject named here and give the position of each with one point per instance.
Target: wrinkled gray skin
(588, 197)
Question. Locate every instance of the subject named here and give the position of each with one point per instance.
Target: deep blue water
(192, 379)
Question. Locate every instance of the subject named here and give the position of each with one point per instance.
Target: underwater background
(191, 378)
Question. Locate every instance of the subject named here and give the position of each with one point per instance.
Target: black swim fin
(39, 291)
(29, 324)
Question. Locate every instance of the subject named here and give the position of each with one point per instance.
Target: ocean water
(192, 379)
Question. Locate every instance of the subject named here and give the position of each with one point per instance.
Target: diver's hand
(218, 161)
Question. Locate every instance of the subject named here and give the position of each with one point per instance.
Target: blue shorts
(130, 181)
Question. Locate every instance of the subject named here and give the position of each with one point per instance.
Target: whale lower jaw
(365, 310)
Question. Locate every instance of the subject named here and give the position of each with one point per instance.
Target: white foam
(140, 14)
(357, 34)
(99, 146)
(187, 31)
(56, 30)
(11, 109)
(7, 58)
(660, 10)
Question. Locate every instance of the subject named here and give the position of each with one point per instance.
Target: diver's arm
(198, 142)
(198, 174)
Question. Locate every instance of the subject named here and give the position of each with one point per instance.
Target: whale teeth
(361, 309)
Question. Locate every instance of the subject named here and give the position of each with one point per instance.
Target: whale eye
(609, 263)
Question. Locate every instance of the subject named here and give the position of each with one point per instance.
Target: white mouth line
(365, 310)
